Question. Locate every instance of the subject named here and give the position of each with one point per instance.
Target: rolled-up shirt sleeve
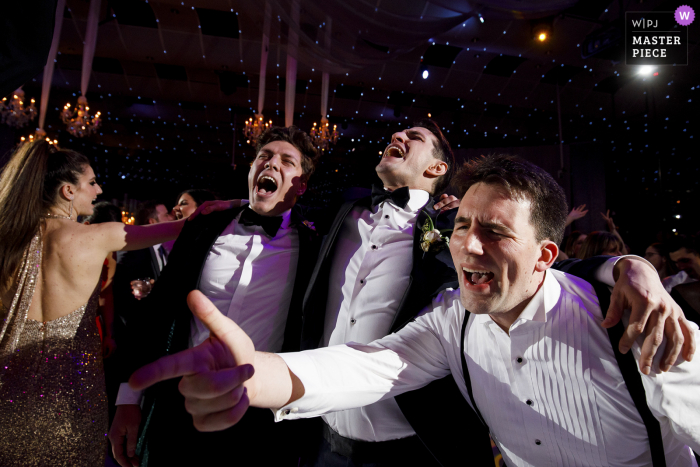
(354, 375)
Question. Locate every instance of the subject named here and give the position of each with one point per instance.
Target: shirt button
(374, 247)
(386, 217)
(528, 402)
(353, 321)
(538, 442)
(362, 281)
(287, 411)
(519, 359)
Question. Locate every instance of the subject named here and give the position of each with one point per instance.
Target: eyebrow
(411, 132)
(284, 154)
(492, 224)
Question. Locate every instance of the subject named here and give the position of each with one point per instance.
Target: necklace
(56, 216)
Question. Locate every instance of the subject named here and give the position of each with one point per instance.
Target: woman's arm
(115, 236)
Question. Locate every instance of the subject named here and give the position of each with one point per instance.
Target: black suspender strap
(633, 380)
(465, 371)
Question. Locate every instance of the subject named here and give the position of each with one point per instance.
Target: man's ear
(302, 186)
(437, 168)
(152, 221)
(548, 254)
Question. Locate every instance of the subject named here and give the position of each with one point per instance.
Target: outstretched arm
(219, 382)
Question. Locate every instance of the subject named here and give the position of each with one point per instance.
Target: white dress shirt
(162, 261)
(368, 277)
(249, 277)
(681, 277)
(580, 412)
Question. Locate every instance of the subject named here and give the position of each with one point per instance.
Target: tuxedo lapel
(314, 304)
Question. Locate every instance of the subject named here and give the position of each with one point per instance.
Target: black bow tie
(399, 197)
(269, 224)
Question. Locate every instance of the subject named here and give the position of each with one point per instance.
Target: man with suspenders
(523, 342)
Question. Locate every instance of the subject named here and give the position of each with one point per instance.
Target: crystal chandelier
(14, 113)
(254, 127)
(80, 122)
(322, 136)
(38, 135)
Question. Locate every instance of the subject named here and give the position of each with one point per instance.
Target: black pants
(412, 453)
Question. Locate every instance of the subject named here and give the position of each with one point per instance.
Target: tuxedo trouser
(172, 440)
(334, 450)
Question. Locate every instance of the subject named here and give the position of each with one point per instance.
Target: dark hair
(677, 242)
(104, 211)
(297, 138)
(598, 242)
(199, 195)
(442, 151)
(521, 179)
(662, 250)
(570, 241)
(147, 210)
(29, 185)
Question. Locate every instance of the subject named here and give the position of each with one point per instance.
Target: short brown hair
(521, 179)
(297, 138)
(442, 151)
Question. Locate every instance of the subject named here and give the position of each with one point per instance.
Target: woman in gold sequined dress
(53, 408)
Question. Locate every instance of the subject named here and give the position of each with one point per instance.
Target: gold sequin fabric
(53, 405)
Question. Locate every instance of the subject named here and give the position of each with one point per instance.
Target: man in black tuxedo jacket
(254, 263)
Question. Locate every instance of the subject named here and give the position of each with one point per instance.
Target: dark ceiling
(176, 80)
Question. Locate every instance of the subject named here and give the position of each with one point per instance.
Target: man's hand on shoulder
(652, 312)
(446, 203)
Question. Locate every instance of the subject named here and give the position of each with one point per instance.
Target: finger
(213, 384)
(118, 450)
(639, 315)
(222, 327)
(222, 420)
(674, 343)
(131, 438)
(170, 366)
(689, 344)
(651, 344)
(615, 310)
(223, 402)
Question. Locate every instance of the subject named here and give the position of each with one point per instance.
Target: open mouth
(477, 277)
(394, 151)
(266, 185)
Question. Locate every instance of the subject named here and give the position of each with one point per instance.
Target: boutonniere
(433, 239)
(310, 225)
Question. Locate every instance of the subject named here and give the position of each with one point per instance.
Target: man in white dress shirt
(248, 261)
(544, 375)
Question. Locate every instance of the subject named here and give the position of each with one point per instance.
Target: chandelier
(254, 127)
(38, 135)
(79, 121)
(322, 136)
(14, 113)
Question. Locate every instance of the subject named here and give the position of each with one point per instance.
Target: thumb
(227, 331)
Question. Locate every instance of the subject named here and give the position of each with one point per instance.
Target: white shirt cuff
(604, 273)
(126, 395)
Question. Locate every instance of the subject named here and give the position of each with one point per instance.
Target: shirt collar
(544, 300)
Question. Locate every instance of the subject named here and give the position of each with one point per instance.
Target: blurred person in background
(683, 251)
(600, 243)
(190, 200)
(573, 243)
(657, 255)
